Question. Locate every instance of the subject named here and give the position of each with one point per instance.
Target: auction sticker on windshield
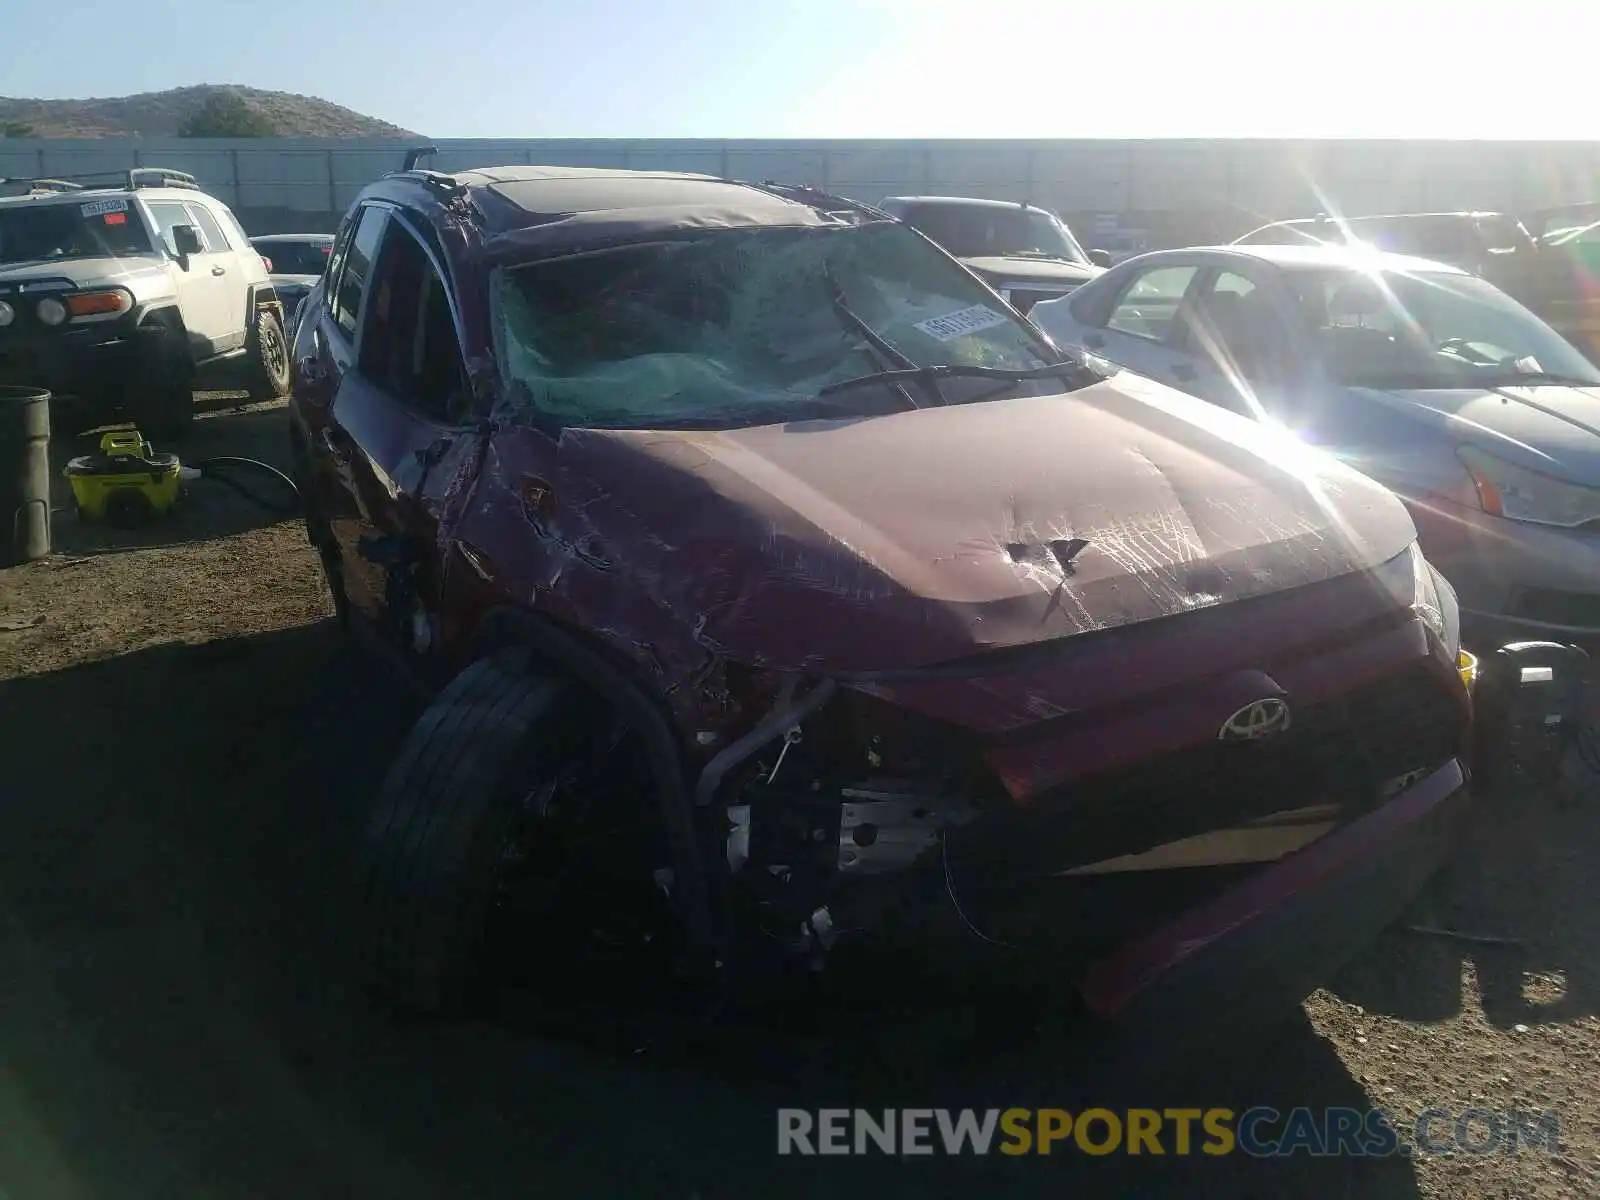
(96, 207)
(959, 324)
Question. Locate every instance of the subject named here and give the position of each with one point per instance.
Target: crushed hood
(1551, 429)
(1033, 270)
(904, 540)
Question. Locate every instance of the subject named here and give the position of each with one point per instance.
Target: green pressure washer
(126, 483)
(129, 484)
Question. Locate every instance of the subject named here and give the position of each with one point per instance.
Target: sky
(855, 68)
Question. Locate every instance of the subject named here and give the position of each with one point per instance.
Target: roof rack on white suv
(132, 179)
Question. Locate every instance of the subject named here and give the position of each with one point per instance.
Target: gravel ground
(187, 752)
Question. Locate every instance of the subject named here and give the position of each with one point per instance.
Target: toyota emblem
(1263, 718)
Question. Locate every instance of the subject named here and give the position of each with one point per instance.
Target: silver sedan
(1426, 378)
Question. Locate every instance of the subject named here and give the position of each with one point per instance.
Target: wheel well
(575, 657)
(573, 654)
(166, 317)
(263, 296)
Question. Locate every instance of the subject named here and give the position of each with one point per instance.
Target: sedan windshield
(751, 326)
(1430, 329)
(996, 231)
(54, 231)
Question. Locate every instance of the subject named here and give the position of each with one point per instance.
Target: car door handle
(1094, 341)
(219, 270)
(1183, 373)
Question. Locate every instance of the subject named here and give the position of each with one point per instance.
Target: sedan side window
(1233, 326)
(1150, 304)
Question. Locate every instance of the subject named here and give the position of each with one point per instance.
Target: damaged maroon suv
(778, 590)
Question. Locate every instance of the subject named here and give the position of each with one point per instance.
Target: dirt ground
(186, 753)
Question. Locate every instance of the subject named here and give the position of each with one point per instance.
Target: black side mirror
(1100, 258)
(186, 240)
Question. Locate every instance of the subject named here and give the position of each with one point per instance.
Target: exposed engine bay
(829, 823)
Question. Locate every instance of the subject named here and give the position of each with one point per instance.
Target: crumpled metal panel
(841, 547)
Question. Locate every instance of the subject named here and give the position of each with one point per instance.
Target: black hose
(208, 469)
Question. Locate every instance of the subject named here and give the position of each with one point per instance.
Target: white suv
(129, 298)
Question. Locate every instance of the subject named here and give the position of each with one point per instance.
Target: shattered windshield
(749, 326)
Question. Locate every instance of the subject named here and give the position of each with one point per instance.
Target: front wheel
(269, 357)
(508, 808)
(162, 399)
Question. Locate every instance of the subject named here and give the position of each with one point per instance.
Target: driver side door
(205, 294)
(400, 428)
(1140, 328)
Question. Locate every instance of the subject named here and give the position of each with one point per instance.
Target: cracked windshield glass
(745, 326)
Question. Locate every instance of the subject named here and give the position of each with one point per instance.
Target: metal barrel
(24, 474)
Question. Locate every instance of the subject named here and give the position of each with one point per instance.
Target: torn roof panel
(554, 207)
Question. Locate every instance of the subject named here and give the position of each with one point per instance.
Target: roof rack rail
(831, 202)
(41, 187)
(416, 155)
(144, 177)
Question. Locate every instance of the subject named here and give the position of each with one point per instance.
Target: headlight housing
(1434, 601)
(1518, 494)
(106, 304)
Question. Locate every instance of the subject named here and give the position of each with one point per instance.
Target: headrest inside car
(1358, 298)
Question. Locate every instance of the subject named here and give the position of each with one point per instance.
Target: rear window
(1288, 234)
(296, 258)
(983, 230)
(108, 227)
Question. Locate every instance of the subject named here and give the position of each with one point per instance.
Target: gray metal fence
(1220, 187)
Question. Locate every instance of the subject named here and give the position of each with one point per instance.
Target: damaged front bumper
(1287, 927)
(1153, 866)
(1082, 841)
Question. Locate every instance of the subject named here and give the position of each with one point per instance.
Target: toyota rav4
(779, 588)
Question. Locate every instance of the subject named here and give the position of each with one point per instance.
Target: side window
(166, 214)
(1150, 304)
(1233, 324)
(1230, 284)
(236, 236)
(408, 339)
(357, 265)
(216, 243)
(341, 246)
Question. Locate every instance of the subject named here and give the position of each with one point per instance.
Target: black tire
(161, 403)
(430, 859)
(268, 354)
